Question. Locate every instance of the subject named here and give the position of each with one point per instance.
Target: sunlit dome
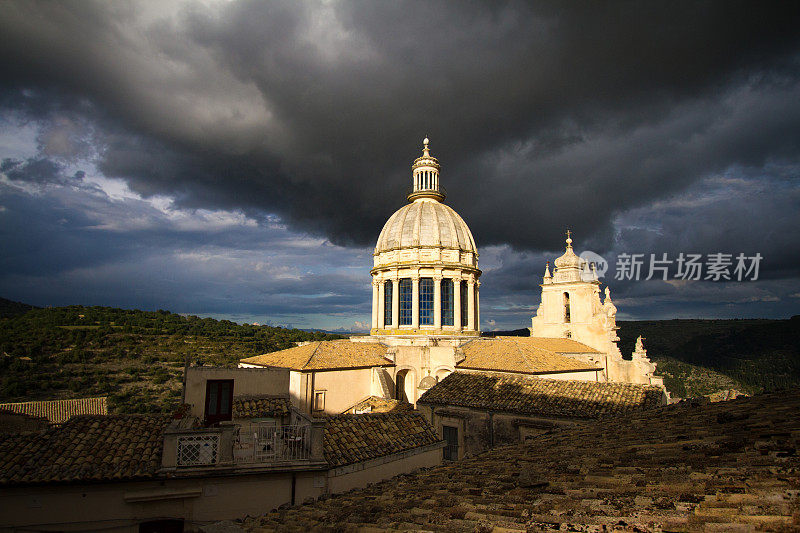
(425, 267)
(425, 224)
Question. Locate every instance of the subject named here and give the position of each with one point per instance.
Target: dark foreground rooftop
(729, 466)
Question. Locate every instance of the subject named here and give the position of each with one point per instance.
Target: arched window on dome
(464, 305)
(405, 301)
(447, 302)
(388, 286)
(426, 301)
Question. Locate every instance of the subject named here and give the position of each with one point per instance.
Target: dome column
(415, 302)
(457, 304)
(374, 303)
(471, 304)
(381, 304)
(477, 304)
(395, 303)
(437, 301)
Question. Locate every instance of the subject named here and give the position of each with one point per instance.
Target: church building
(426, 318)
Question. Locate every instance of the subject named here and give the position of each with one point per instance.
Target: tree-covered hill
(701, 356)
(134, 357)
(9, 308)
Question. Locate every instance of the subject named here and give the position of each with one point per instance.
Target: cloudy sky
(238, 159)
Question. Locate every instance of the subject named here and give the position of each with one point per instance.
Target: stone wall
(479, 431)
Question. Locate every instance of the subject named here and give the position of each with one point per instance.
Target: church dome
(425, 223)
(425, 266)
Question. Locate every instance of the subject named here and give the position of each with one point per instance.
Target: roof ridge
(524, 354)
(310, 357)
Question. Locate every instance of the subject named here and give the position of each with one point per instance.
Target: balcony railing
(259, 443)
(196, 450)
(246, 445)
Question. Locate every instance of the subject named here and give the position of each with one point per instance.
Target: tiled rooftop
(543, 397)
(260, 407)
(558, 345)
(85, 448)
(728, 466)
(521, 354)
(325, 355)
(59, 411)
(355, 438)
(376, 404)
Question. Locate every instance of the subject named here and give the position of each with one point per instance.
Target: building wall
(344, 388)
(64, 508)
(246, 382)
(121, 507)
(479, 431)
(420, 361)
(362, 474)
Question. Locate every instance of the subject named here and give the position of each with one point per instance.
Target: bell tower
(571, 307)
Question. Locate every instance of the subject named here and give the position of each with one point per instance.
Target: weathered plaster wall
(344, 388)
(482, 430)
(112, 506)
(246, 382)
(362, 474)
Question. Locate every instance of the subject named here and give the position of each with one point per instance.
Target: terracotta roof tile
(325, 355)
(85, 448)
(727, 466)
(558, 345)
(376, 404)
(518, 354)
(260, 407)
(356, 438)
(59, 411)
(543, 397)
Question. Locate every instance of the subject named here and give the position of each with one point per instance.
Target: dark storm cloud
(644, 127)
(67, 243)
(560, 114)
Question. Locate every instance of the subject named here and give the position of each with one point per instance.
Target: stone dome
(425, 223)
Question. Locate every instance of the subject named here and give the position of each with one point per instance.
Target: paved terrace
(730, 466)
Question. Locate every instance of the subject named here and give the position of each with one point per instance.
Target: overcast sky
(238, 159)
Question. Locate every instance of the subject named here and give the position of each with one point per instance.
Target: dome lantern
(425, 171)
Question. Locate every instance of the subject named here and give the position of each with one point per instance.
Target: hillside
(9, 308)
(697, 357)
(134, 357)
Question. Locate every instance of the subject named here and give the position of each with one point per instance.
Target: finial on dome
(569, 239)
(425, 151)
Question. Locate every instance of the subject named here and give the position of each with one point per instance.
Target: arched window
(426, 301)
(388, 286)
(464, 305)
(400, 392)
(447, 302)
(405, 301)
(566, 307)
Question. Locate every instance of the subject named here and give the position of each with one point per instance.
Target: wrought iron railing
(262, 443)
(194, 450)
